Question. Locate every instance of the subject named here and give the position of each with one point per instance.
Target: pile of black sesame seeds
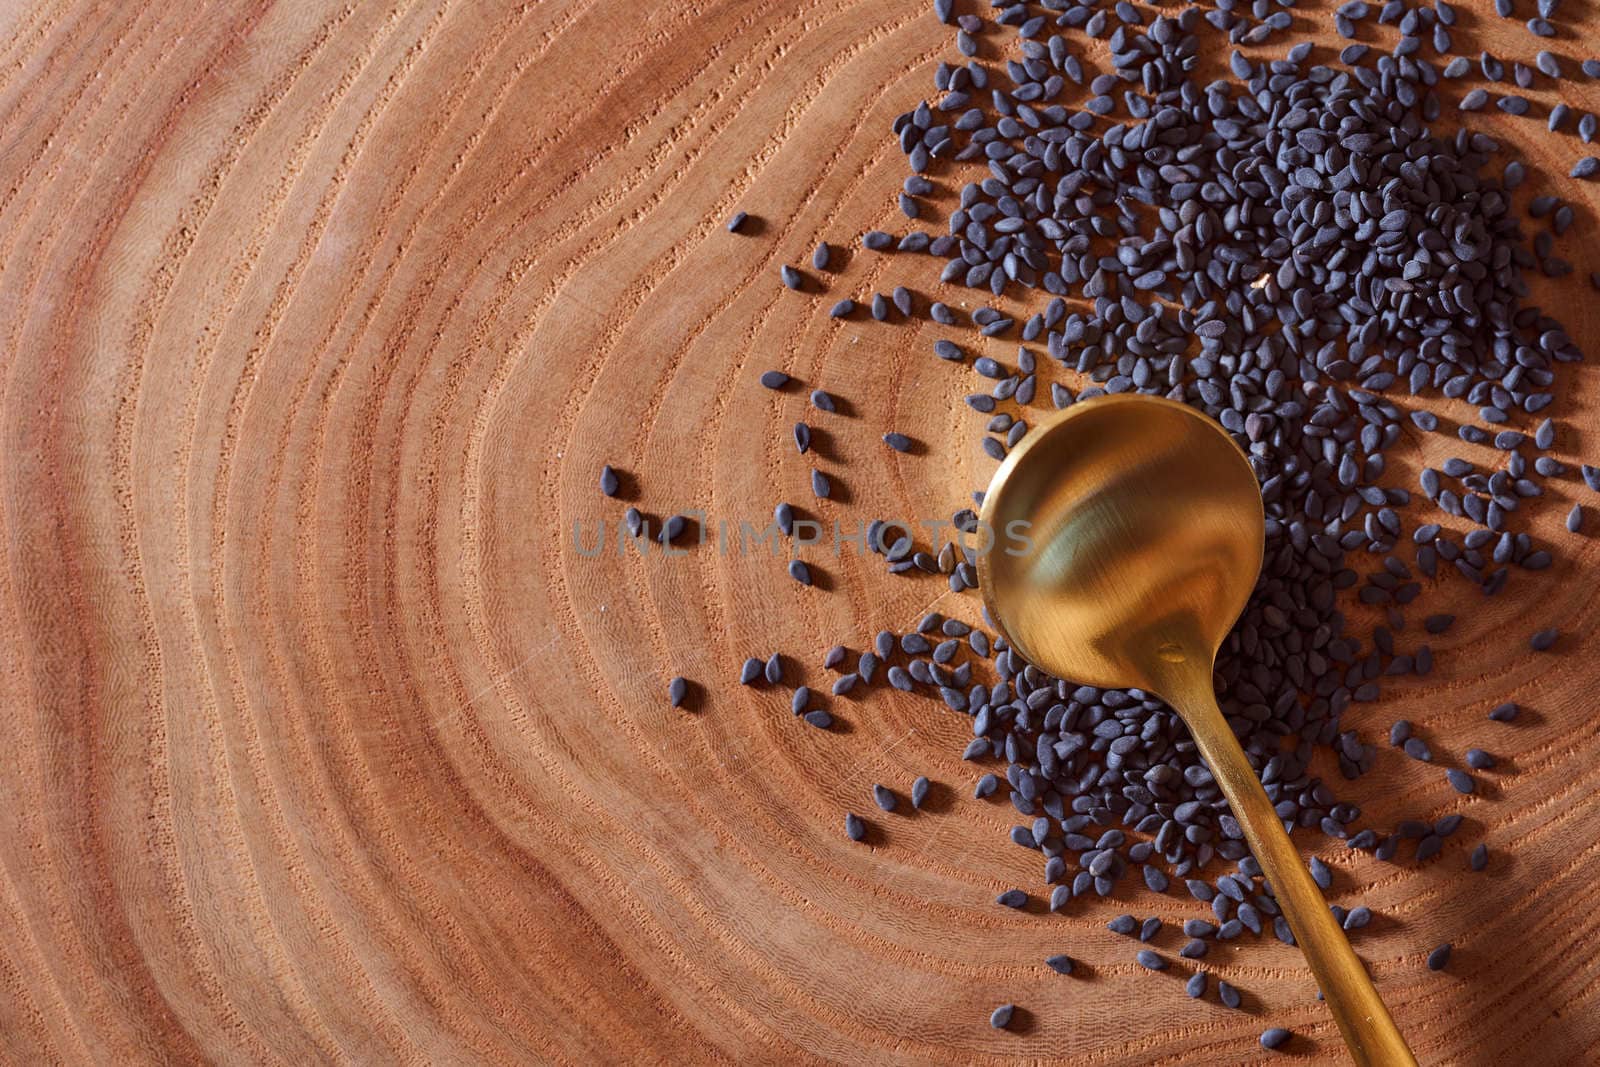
(1296, 252)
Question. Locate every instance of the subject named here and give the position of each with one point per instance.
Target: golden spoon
(1145, 532)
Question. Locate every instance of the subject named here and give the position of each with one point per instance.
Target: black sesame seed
(1504, 712)
(673, 529)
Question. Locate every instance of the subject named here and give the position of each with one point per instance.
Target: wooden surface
(322, 743)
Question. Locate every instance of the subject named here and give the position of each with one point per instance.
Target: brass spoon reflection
(1146, 530)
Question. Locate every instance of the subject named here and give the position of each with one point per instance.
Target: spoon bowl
(1146, 529)
(1132, 530)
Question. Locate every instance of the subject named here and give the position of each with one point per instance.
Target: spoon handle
(1368, 1029)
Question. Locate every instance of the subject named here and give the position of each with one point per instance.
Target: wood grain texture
(323, 743)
